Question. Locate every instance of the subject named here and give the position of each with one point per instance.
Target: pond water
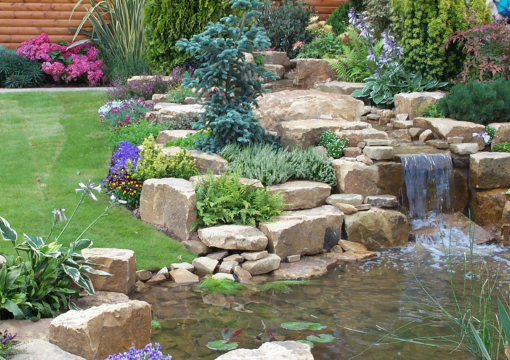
(358, 302)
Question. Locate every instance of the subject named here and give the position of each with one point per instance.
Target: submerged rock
(307, 268)
(276, 350)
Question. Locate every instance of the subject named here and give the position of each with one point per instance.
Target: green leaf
(8, 234)
(321, 338)
(221, 345)
(306, 342)
(505, 321)
(480, 343)
(13, 309)
(79, 279)
(79, 245)
(302, 326)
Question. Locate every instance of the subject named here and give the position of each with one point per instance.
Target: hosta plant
(37, 281)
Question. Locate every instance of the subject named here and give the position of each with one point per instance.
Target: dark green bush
(168, 21)
(18, 71)
(285, 23)
(481, 103)
(339, 19)
(224, 200)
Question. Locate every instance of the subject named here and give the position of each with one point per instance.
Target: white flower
(59, 214)
(88, 189)
(114, 199)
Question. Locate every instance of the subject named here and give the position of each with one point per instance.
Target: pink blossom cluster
(61, 62)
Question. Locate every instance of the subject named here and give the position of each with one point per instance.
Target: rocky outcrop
(170, 203)
(204, 161)
(310, 71)
(262, 266)
(172, 135)
(301, 194)
(489, 170)
(100, 331)
(377, 228)
(281, 350)
(339, 87)
(233, 237)
(281, 106)
(121, 264)
(414, 103)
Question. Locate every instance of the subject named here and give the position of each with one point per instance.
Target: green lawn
(51, 141)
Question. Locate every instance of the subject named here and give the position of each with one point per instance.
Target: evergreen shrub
(481, 103)
(339, 19)
(17, 71)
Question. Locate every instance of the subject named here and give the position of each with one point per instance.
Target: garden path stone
(170, 203)
(183, 276)
(204, 265)
(302, 194)
(283, 350)
(413, 103)
(339, 87)
(168, 112)
(233, 237)
(120, 263)
(172, 135)
(42, 350)
(95, 333)
(488, 170)
(262, 266)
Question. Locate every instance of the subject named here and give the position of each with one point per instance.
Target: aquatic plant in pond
(321, 338)
(224, 344)
(147, 353)
(303, 326)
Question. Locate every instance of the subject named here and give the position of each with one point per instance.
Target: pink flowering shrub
(63, 63)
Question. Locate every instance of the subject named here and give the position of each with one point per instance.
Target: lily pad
(302, 326)
(322, 338)
(306, 342)
(221, 345)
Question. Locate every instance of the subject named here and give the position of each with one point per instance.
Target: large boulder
(204, 161)
(445, 128)
(339, 87)
(382, 178)
(302, 194)
(303, 232)
(100, 331)
(487, 208)
(306, 133)
(377, 228)
(281, 350)
(355, 136)
(310, 71)
(489, 170)
(414, 103)
(118, 262)
(172, 135)
(233, 237)
(287, 105)
(502, 132)
(170, 203)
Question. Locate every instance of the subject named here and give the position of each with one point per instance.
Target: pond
(358, 302)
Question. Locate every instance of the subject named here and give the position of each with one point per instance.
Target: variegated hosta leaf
(8, 234)
(79, 279)
(91, 270)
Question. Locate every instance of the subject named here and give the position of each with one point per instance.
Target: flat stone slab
(355, 136)
(204, 161)
(183, 265)
(172, 135)
(379, 152)
(234, 237)
(438, 144)
(306, 268)
(28, 330)
(352, 246)
(488, 170)
(351, 199)
(183, 276)
(352, 255)
(302, 194)
(251, 256)
(276, 350)
(42, 350)
(204, 265)
(464, 148)
(339, 87)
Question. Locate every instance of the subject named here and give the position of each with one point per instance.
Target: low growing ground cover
(51, 141)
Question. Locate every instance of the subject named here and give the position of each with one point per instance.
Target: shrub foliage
(17, 71)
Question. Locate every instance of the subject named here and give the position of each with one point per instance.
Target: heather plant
(64, 61)
(333, 144)
(147, 353)
(225, 200)
(228, 113)
(481, 103)
(285, 23)
(17, 71)
(8, 343)
(189, 141)
(120, 181)
(135, 132)
(119, 111)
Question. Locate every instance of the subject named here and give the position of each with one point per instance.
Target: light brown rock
(382, 178)
(276, 58)
(281, 350)
(252, 256)
(100, 331)
(118, 262)
(415, 132)
(234, 257)
(364, 159)
(41, 350)
(355, 136)
(398, 124)
(426, 135)
(233, 237)
(363, 207)
(183, 265)
(352, 246)
(262, 266)
(308, 267)
(377, 228)
(218, 255)
(464, 148)
(183, 276)
(310, 71)
(502, 132)
(339, 87)
(505, 218)
(141, 287)
(164, 271)
(224, 276)
(172, 135)
(487, 208)
(227, 266)
(352, 151)
(351, 199)
(204, 265)
(489, 170)
(286, 105)
(379, 152)
(445, 128)
(468, 227)
(346, 208)
(352, 255)
(170, 203)
(243, 275)
(167, 113)
(196, 247)
(438, 144)
(156, 279)
(455, 139)
(413, 103)
(204, 161)
(301, 194)
(293, 258)
(337, 249)
(101, 298)
(143, 275)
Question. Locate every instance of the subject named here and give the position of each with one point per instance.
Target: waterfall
(428, 183)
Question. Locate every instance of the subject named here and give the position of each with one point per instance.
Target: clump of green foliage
(502, 147)
(18, 71)
(276, 166)
(283, 286)
(431, 111)
(339, 19)
(189, 141)
(325, 44)
(225, 200)
(222, 46)
(155, 324)
(333, 144)
(259, 58)
(154, 165)
(221, 286)
(135, 132)
(168, 21)
(178, 95)
(481, 103)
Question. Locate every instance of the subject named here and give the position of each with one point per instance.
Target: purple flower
(147, 353)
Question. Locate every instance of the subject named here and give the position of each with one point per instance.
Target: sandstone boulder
(302, 194)
(464, 148)
(234, 237)
(466, 226)
(170, 203)
(204, 161)
(118, 262)
(262, 266)
(310, 71)
(487, 208)
(281, 106)
(252, 256)
(382, 178)
(339, 87)
(502, 132)
(488, 170)
(308, 267)
(306, 133)
(281, 350)
(172, 135)
(167, 113)
(279, 70)
(413, 103)
(100, 331)
(355, 136)
(377, 228)
(196, 247)
(276, 58)
(379, 152)
(218, 255)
